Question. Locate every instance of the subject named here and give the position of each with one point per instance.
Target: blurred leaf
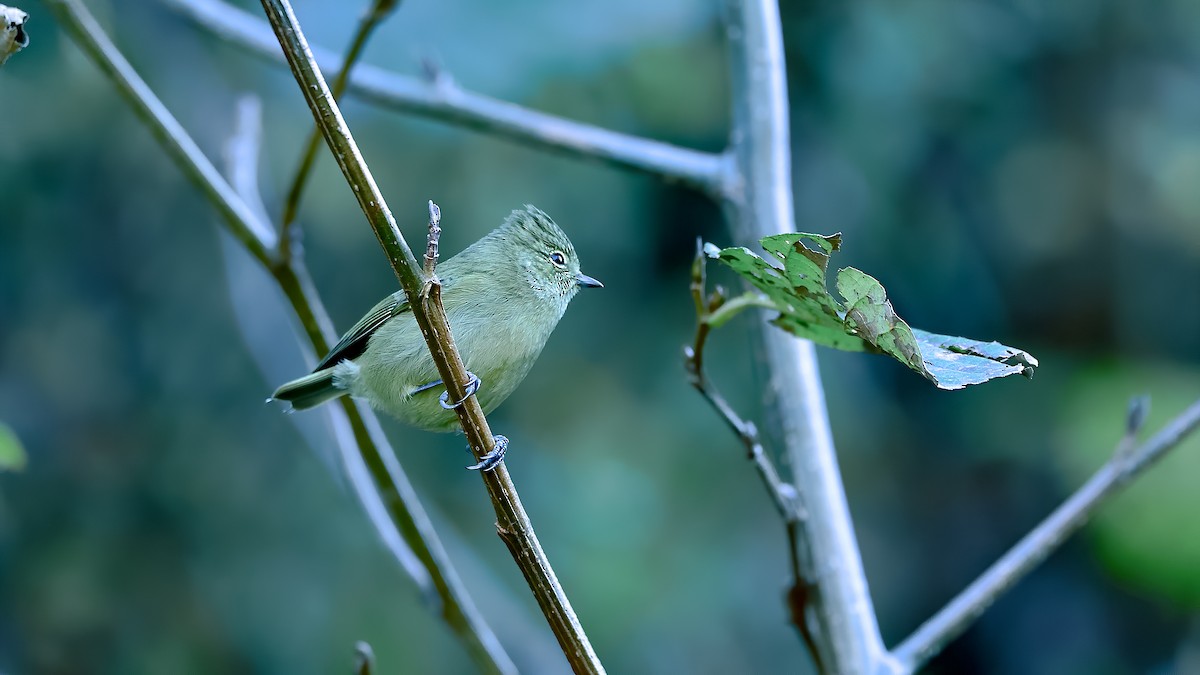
(867, 321)
(12, 32)
(1149, 536)
(12, 453)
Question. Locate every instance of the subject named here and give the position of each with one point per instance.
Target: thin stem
(783, 495)
(407, 516)
(442, 100)
(379, 10)
(734, 306)
(512, 522)
(1043, 540)
(840, 607)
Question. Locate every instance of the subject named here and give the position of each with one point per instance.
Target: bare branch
(408, 518)
(1043, 540)
(369, 463)
(242, 152)
(782, 494)
(442, 100)
(845, 619)
(375, 14)
(513, 523)
(254, 234)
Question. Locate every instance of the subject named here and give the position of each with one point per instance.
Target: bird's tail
(309, 391)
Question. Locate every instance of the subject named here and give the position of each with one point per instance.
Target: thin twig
(513, 523)
(1043, 540)
(783, 495)
(442, 100)
(843, 616)
(375, 14)
(431, 286)
(431, 241)
(253, 232)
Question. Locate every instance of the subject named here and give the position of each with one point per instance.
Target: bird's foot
(493, 458)
(472, 386)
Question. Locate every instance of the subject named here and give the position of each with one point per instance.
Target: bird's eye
(558, 258)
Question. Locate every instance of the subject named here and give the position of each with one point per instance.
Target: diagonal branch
(1125, 464)
(444, 101)
(256, 235)
(376, 13)
(408, 517)
(241, 165)
(512, 522)
(367, 457)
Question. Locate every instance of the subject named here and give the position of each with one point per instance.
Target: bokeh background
(1012, 170)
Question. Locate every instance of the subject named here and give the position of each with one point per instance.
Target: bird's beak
(587, 282)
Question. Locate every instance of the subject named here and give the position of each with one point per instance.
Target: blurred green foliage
(1148, 536)
(12, 453)
(1007, 168)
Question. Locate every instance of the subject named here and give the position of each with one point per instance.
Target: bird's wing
(354, 342)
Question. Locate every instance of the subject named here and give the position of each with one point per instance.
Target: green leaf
(12, 453)
(866, 321)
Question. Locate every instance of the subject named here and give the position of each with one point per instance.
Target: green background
(1011, 170)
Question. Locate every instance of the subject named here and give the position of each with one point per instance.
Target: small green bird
(503, 296)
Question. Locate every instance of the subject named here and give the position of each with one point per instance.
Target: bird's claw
(492, 459)
(472, 386)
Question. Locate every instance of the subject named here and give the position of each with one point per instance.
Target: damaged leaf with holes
(794, 281)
